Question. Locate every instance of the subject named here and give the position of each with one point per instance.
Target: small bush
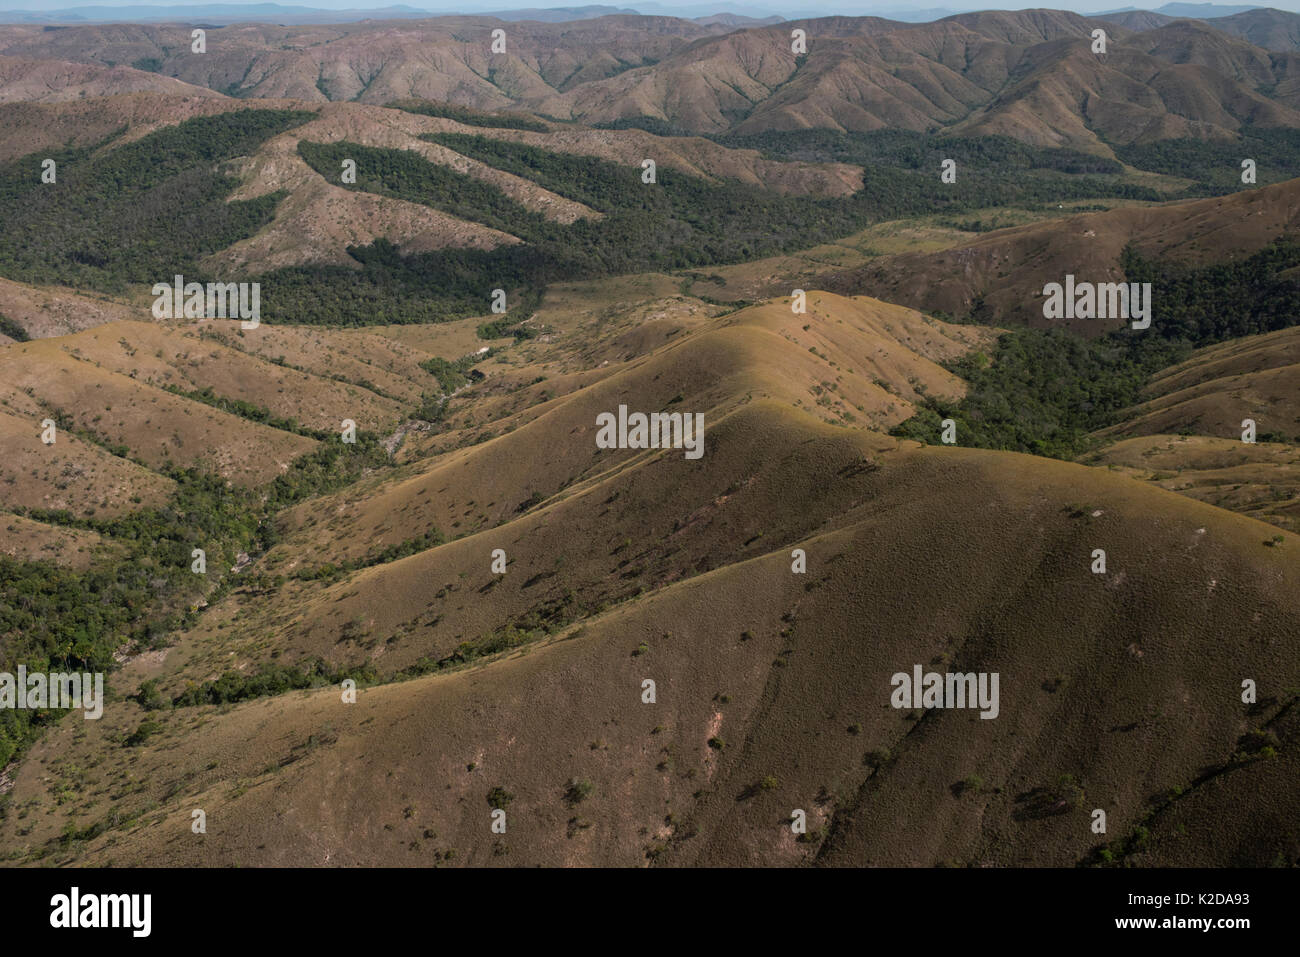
(578, 791)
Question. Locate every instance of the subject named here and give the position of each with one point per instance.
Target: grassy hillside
(556, 732)
(826, 539)
(633, 565)
(168, 439)
(999, 277)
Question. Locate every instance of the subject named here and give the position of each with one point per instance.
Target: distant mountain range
(1029, 74)
(223, 13)
(1194, 11)
(278, 13)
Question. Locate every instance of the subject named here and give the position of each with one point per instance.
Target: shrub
(141, 734)
(578, 790)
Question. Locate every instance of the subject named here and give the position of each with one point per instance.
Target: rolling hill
(370, 573)
(1007, 269)
(555, 731)
(1187, 434)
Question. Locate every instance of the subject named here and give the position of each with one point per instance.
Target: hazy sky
(787, 8)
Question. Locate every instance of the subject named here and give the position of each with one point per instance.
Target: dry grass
(26, 540)
(772, 688)
(957, 556)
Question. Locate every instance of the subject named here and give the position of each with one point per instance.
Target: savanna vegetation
(469, 117)
(53, 618)
(1045, 391)
(11, 329)
(144, 211)
(139, 213)
(681, 221)
(1215, 165)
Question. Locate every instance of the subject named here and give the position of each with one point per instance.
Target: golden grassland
(772, 694)
(1120, 690)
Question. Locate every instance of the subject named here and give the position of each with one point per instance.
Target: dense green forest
(902, 169)
(907, 150)
(1216, 166)
(145, 211)
(902, 172)
(651, 124)
(1042, 391)
(453, 375)
(12, 329)
(54, 618)
(681, 221)
(469, 117)
(267, 680)
(1209, 304)
(393, 288)
(1045, 391)
(139, 213)
(405, 174)
(1009, 171)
